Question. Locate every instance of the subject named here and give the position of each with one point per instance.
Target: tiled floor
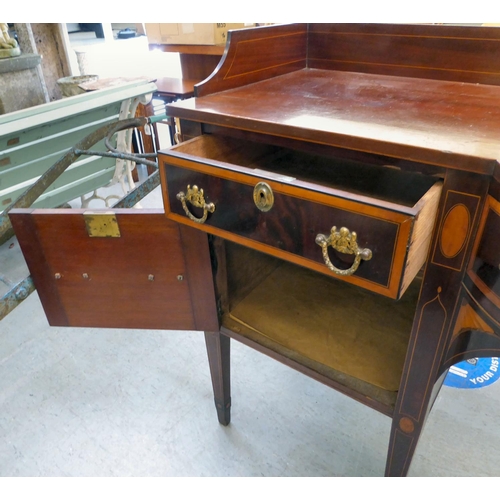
(92, 402)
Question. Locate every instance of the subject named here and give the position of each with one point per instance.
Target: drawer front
(290, 227)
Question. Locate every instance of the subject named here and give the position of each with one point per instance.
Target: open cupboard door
(122, 268)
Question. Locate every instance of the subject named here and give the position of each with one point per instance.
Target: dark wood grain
(292, 225)
(448, 124)
(384, 403)
(197, 61)
(483, 276)
(379, 204)
(218, 351)
(254, 54)
(244, 160)
(481, 295)
(194, 248)
(486, 264)
(495, 186)
(432, 326)
(476, 333)
(180, 88)
(398, 98)
(30, 241)
(203, 50)
(117, 291)
(326, 150)
(397, 95)
(198, 66)
(454, 53)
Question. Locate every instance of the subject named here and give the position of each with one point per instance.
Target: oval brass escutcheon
(263, 196)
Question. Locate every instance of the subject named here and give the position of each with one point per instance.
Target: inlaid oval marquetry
(455, 230)
(406, 425)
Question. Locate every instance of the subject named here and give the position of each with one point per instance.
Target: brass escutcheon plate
(263, 196)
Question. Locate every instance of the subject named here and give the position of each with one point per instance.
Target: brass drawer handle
(345, 242)
(196, 197)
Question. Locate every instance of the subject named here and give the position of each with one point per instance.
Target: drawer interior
(356, 338)
(375, 181)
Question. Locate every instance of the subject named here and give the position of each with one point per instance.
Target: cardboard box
(191, 33)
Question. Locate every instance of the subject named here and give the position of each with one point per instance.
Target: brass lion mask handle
(196, 197)
(344, 241)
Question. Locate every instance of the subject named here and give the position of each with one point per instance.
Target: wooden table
(175, 88)
(171, 90)
(197, 61)
(340, 213)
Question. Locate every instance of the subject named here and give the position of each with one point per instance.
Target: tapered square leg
(218, 350)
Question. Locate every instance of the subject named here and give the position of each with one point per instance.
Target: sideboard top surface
(450, 124)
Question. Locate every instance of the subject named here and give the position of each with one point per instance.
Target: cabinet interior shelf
(351, 336)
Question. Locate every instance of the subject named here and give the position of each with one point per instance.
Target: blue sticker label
(473, 373)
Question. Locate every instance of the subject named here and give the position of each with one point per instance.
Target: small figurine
(8, 45)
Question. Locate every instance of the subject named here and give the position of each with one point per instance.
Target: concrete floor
(135, 403)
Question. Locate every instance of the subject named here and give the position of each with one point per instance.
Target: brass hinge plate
(102, 224)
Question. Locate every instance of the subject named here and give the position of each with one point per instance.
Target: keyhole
(263, 196)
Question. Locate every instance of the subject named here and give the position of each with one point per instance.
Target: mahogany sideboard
(340, 212)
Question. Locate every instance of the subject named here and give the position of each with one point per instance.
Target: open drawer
(366, 224)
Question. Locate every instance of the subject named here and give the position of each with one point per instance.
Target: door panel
(139, 279)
